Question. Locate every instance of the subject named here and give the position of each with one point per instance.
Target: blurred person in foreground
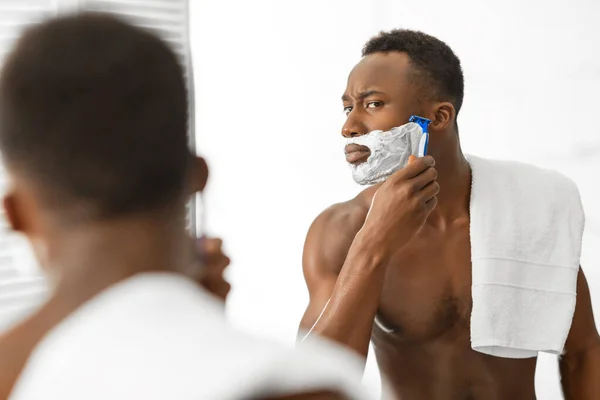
(93, 122)
(459, 270)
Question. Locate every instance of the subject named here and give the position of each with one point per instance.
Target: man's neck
(454, 178)
(87, 259)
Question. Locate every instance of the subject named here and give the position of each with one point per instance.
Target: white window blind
(20, 294)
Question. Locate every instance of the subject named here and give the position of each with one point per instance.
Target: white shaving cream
(389, 152)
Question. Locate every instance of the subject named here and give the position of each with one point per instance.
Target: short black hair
(431, 59)
(95, 112)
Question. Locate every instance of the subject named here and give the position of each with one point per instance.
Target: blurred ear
(443, 117)
(13, 212)
(199, 175)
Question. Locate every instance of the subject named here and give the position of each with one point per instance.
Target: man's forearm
(580, 375)
(349, 314)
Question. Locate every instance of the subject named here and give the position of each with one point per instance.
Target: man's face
(378, 96)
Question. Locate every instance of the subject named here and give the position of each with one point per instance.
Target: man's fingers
(218, 287)
(429, 191)
(216, 265)
(431, 203)
(210, 256)
(207, 248)
(210, 245)
(414, 168)
(425, 178)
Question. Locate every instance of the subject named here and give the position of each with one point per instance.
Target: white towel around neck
(159, 336)
(526, 232)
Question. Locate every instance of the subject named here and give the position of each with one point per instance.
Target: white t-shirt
(160, 336)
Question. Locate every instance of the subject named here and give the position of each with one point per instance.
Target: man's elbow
(313, 313)
(587, 356)
(306, 323)
(579, 373)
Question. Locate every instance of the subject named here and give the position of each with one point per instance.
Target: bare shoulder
(333, 231)
(347, 217)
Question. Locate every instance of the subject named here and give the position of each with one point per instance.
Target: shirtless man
(393, 265)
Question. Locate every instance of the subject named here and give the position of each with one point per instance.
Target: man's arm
(580, 362)
(327, 244)
(342, 307)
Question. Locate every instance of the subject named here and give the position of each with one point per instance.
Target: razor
(424, 124)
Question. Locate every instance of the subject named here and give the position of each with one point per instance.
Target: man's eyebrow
(362, 95)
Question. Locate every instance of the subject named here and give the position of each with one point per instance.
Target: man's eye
(374, 104)
(347, 110)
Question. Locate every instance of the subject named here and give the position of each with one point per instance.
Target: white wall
(269, 75)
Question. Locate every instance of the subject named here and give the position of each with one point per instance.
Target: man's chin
(367, 178)
(356, 165)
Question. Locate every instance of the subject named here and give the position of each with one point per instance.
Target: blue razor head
(423, 122)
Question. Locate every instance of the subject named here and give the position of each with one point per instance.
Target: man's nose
(353, 127)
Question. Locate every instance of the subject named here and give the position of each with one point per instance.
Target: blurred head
(403, 73)
(93, 126)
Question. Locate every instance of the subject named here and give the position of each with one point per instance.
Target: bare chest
(427, 290)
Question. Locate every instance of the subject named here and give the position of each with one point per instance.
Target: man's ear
(443, 116)
(13, 212)
(199, 175)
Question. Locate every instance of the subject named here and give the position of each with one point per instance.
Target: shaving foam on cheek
(390, 151)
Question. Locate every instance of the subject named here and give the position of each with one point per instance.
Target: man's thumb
(411, 158)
